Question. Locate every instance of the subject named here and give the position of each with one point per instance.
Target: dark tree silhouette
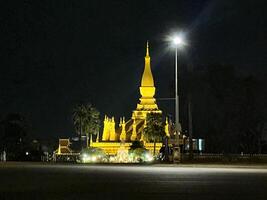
(154, 130)
(229, 109)
(13, 136)
(86, 120)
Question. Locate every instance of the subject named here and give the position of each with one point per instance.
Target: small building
(64, 151)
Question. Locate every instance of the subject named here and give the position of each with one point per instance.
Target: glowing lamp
(177, 40)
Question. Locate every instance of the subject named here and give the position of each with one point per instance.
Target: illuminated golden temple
(114, 137)
(119, 137)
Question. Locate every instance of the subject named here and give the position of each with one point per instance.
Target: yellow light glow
(93, 158)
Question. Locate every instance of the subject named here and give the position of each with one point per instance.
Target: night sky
(57, 54)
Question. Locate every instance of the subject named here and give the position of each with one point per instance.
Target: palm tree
(79, 118)
(154, 130)
(86, 120)
(93, 121)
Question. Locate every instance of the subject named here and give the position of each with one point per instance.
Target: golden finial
(147, 49)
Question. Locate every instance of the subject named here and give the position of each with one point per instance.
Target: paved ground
(47, 181)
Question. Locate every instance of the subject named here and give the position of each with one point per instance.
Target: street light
(178, 43)
(177, 40)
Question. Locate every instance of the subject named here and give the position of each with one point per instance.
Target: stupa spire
(147, 49)
(147, 90)
(147, 78)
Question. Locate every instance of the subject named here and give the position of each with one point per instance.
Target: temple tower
(147, 90)
(112, 130)
(105, 135)
(109, 133)
(123, 132)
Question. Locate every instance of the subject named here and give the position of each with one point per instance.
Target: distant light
(200, 144)
(149, 157)
(93, 158)
(27, 153)
(85, 156)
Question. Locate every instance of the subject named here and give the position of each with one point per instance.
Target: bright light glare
(85, 156)
(93, 158)
(177, 40)
(149, 157)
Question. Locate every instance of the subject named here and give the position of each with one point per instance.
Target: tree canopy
(154, 129)
(86, 119)
(228, 108)
(14, 129)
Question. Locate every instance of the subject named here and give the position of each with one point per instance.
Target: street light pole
(177, 121)
(178, 43)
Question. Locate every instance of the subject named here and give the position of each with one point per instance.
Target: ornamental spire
(147, 78)
(147, 49)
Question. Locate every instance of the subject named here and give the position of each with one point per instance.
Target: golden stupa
(128, 131)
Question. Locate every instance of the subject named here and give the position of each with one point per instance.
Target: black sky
(56, 54)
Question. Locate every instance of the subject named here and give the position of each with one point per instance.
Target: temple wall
(111, 148)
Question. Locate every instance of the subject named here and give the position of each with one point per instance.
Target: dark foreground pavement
(48, 181)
